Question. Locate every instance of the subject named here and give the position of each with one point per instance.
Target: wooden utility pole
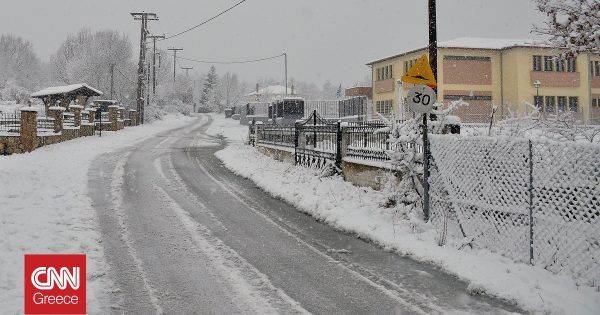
(187, 70)
(433, 64)
(154, 37)
(144, 17)
(174, 61)
(112, 79)
(286, 87)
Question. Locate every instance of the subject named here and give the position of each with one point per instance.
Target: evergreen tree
(207, 99)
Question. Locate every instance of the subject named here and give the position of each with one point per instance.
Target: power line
(212, 18)
(227, 62)
(126, 78)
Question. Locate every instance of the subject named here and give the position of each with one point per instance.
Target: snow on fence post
(56, 112)
(113, 111)
(77, 114)
(133, 117)
(92, 115)
(28, 133)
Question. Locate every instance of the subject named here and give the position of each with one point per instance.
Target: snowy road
(184, 235)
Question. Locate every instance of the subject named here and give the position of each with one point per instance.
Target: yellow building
(487, 72)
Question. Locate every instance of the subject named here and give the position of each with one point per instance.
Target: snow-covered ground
(45, 208)
(358, 210)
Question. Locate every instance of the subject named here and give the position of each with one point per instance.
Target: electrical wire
(225, 62)
(204, 22)
(126, 78)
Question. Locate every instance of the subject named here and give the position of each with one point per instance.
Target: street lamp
(537, 85)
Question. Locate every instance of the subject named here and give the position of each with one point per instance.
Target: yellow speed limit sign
(420, 99)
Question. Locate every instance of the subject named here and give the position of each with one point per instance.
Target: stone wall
(28, 139)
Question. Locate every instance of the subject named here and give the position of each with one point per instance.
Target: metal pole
(286, 84)
(433, 64)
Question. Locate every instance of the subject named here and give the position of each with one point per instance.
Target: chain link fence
(534, 201)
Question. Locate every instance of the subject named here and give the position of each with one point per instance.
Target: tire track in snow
(393, 294)
(250, 284)
(116, 185)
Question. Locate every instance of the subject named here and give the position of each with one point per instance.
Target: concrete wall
(357, 174)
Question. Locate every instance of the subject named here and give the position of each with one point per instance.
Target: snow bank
(358, 210)
(45, 208)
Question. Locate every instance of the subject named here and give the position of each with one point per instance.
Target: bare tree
(571, 24)
(20, 68)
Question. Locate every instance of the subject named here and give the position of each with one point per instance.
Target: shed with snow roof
(66, 94)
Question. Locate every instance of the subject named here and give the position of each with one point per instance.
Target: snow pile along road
(358, 210)
(45, 208)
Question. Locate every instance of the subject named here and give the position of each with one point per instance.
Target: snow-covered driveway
(184, 235)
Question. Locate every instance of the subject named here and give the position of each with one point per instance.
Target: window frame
(537, 63)
(548, 63)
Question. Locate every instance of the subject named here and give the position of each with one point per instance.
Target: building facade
(508, 74)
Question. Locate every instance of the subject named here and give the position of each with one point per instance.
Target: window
(596, 102)
(391, 73)
(537, 63)
(387, 72)
(560, 65)
(405, 66)
(538, 101)
(377, 77)
(384, 107)
(562, 103)
(571, 64)
(548, 63)
(573, 103)
(596, 68)
(550, 104)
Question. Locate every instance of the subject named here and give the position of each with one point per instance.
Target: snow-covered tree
(20, 68)
(404, 138)
(210, 97)
(87, 57)
(571, 24)
(232, 90)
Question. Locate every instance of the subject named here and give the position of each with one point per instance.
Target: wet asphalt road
(184, 235)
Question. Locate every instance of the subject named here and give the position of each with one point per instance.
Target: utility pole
(433, 64)
(174, 61)
(154, 37)
(286, 87)
(112, 79)
(144, 17)
(187, 70)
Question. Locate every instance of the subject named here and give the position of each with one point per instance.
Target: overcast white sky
(325, 39)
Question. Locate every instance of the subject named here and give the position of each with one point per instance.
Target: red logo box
(55, 284)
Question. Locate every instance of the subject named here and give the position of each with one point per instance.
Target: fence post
(91, 115)
(56, 112)
(530, 203)
(28, 133)
(112, 116)
(315, 128)
(296, 141)
(133, 117)
(338, 151)
(76, 114)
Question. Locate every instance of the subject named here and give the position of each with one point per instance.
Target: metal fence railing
(277, 135)
(10, 122)
(45, 124)
(68, 120)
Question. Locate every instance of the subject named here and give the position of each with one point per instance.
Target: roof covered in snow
(79, 88)
(475, 43)
(271, 89)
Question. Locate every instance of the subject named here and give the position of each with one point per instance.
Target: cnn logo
(55, 284)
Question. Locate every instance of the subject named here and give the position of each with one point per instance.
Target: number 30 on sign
(421, 99)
